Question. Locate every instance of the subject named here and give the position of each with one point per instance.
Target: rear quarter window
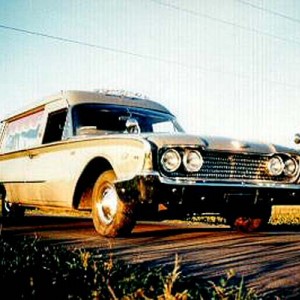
(2, 125)
(22, 133)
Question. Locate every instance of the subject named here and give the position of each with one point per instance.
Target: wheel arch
(82, 197)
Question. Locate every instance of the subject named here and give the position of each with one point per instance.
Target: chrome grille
(233, 166)
(219, 166)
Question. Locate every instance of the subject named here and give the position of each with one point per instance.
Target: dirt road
(269, 260)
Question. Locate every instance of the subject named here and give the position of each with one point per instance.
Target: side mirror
(297, 138)
(132, 126)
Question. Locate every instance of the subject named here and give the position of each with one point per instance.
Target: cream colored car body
(123, 170)
(49, 174)
(46, 175)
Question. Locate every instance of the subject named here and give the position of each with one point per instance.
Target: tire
(112, 217)
(3, 206)
(10, 210)
(255, 220)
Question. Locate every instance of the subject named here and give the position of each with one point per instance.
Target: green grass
(281, 215)
(31, 269)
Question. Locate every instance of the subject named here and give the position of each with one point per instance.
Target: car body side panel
(49, 174)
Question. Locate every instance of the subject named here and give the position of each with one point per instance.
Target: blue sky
(224, 67)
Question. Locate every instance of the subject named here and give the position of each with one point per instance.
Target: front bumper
(153, 188)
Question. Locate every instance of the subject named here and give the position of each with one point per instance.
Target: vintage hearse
(126, 158)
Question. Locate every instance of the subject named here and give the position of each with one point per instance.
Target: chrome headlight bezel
(287, 167)
(192, 161)
(275, 166)
(171, 160)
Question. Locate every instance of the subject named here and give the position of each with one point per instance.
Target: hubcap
(7, 206)
(107, 205)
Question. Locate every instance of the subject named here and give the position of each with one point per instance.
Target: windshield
(100, 119)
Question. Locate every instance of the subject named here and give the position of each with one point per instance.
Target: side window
(55, 126)
(22, 133)
(2, 125)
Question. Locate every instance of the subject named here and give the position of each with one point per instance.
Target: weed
(43, 272)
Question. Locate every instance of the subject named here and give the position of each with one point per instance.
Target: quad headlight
(192, 160)
(171, 160)
(275, 166)
(290, 167)
(189, 159)
(287, 166)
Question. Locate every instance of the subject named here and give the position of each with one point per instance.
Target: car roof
(74, 97)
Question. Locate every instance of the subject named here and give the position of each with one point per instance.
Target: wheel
(111, 216)
(255, 219)
(10, 210)
(5, 207)
(4, 204)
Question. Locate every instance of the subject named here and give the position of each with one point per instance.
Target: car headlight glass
(275, 166)
(192, 161)
(290, 167)
(171, 160)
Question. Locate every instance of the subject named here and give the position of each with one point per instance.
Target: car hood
(215, 143)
